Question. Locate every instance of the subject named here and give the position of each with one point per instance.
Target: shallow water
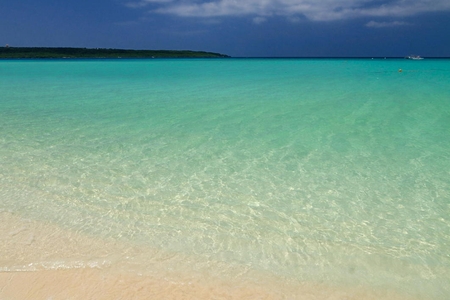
(326, 171)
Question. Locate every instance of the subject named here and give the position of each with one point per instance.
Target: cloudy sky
(238, 28)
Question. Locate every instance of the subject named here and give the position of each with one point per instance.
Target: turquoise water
(332, 171)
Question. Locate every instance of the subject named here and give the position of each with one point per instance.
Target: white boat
(414, 57)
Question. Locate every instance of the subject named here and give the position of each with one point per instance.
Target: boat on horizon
(414, 57)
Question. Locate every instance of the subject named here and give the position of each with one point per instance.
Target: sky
(239, 28)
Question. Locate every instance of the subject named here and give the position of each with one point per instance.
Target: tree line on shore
(50, 52)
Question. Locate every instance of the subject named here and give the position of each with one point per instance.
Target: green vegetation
(38, 52)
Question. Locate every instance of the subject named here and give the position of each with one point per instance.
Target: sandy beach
(105, 284)
(26, 242)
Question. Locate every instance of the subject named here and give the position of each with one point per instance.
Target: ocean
(280, 173)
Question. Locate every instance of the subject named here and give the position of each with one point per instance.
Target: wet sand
(42, 261)
(100, 284)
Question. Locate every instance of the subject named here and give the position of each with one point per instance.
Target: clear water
(332, 171)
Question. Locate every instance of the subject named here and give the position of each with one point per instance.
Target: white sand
(30, 251)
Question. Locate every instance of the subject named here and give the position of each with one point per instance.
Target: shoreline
(100, 53)
(91, 283)
(43, 261)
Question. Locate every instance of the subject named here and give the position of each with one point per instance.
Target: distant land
(49, 52)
